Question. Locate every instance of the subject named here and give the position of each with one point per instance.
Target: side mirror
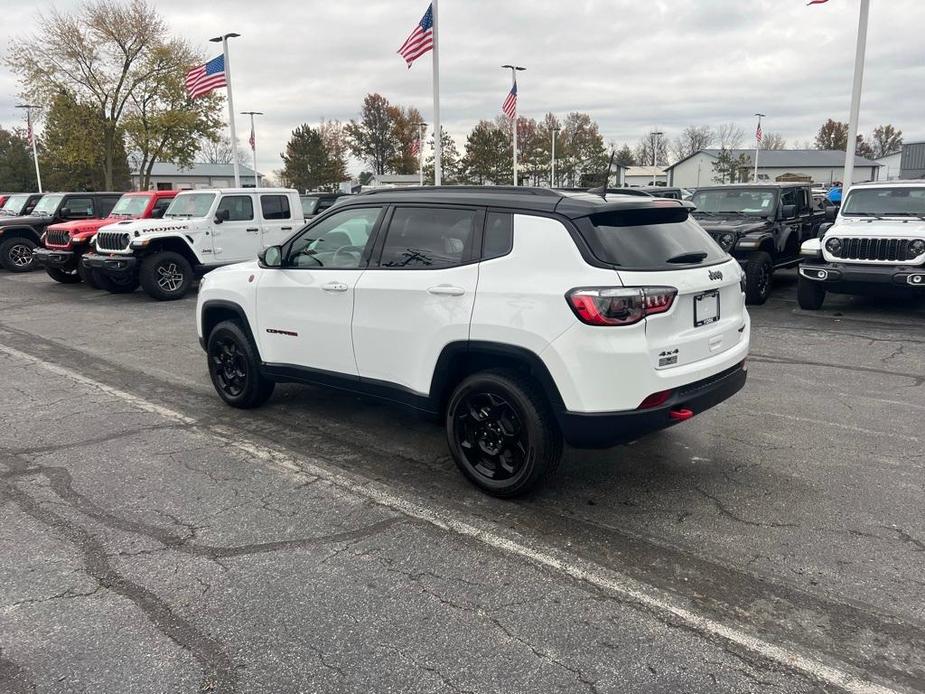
(824, 227)
(157, 212)
(831, 212)
(222, 216)
(271, 256)
(788, 211)
(64, 212)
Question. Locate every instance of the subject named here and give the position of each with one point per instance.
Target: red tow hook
(681, 415)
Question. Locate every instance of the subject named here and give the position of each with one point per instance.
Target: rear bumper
(110, 264)
(848, 276)
(49, 257)
(606, 429)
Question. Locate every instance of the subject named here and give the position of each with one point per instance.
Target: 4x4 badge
(716, 275)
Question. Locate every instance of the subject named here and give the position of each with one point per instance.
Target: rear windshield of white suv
(649, 239)
(901, 201)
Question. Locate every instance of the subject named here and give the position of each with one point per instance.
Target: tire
(16, 254)
(758, 272)
(810, 294)
(502, 433)
(87, 276)
(114, 284)
(63, 276)
(166, 276)
(234, 367)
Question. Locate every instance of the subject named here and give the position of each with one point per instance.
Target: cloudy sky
(632, 64)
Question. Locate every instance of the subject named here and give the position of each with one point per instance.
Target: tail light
(619, 305)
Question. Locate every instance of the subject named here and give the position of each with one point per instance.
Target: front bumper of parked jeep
(858, 277)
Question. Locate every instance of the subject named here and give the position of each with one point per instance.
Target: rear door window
(429, 238)
(656, 238)
(275, 207)
(498, 239)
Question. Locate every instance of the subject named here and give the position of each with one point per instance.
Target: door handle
(447, 290)
(253, 229)
(285, 228)
(335, 287)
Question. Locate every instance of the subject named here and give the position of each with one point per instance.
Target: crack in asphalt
(917, 379)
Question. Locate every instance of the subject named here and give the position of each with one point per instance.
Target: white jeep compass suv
(523, 317)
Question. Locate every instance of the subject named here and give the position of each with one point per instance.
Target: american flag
(415, 147)
(420, 40)
(758, 133)
(203, 79)
(253, 140)
(509, 107)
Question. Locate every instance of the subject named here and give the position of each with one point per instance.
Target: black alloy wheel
(491, 436)
(235, 368)
(758, 272)
(16, 254)
(166, 276)
(501, 432)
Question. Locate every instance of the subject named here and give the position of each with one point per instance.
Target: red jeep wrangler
(67, 241)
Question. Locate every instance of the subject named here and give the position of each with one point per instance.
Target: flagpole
(438, 131)
(514, 70)
(851, 144)
(35, 152)
(757, 145)
(234, 136)
(421, 127)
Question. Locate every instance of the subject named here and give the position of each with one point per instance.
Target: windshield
(735, 200)
(130, 206)
(309, 204)
(14, 204)
(191, 205)
(885, 202)
(649, 238)
(47, 205)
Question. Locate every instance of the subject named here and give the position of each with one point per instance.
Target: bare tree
(773, 141)
(98, 55)
(652, 150)
(886, 140)
(693, 139)
(218, 151)
(729, 136)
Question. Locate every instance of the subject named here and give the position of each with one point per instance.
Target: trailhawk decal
(288, 333)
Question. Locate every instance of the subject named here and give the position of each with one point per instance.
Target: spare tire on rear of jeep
(166, 275)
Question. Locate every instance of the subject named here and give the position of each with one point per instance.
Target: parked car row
(523, 318)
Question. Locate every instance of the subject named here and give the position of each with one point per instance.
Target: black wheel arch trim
(223, 308)
(21, 232)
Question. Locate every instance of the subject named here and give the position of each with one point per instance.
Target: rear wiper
(694, 257)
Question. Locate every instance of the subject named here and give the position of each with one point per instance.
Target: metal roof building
(166, 176)
(819, 165)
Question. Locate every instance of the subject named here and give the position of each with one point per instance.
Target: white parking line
(626, 588)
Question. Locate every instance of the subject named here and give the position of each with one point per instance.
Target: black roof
(572, 204)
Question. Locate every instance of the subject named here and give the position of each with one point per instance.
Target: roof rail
(507, 190)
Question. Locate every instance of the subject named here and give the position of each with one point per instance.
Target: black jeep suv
(762, 225)
(20, 235)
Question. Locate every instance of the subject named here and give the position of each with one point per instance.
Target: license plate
(706, 308)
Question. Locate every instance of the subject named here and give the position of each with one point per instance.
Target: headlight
(727, 240)
(916, 248)
(833, 246)
(124, 239)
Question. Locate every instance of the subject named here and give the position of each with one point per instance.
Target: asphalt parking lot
(154, 540)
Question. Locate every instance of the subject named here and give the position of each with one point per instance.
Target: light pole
(860, 50)
(253, 144)
(234, 138)
(31, 134)
(514, 70)
(757, 143)
(552, 173)
(657, 134)
(421, 128)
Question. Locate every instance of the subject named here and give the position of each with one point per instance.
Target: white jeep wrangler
(876, 245)
(522, 317)
(201, 230)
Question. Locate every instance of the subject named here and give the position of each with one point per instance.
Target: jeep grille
(56, 238)
(112, 241)
(896, 250)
